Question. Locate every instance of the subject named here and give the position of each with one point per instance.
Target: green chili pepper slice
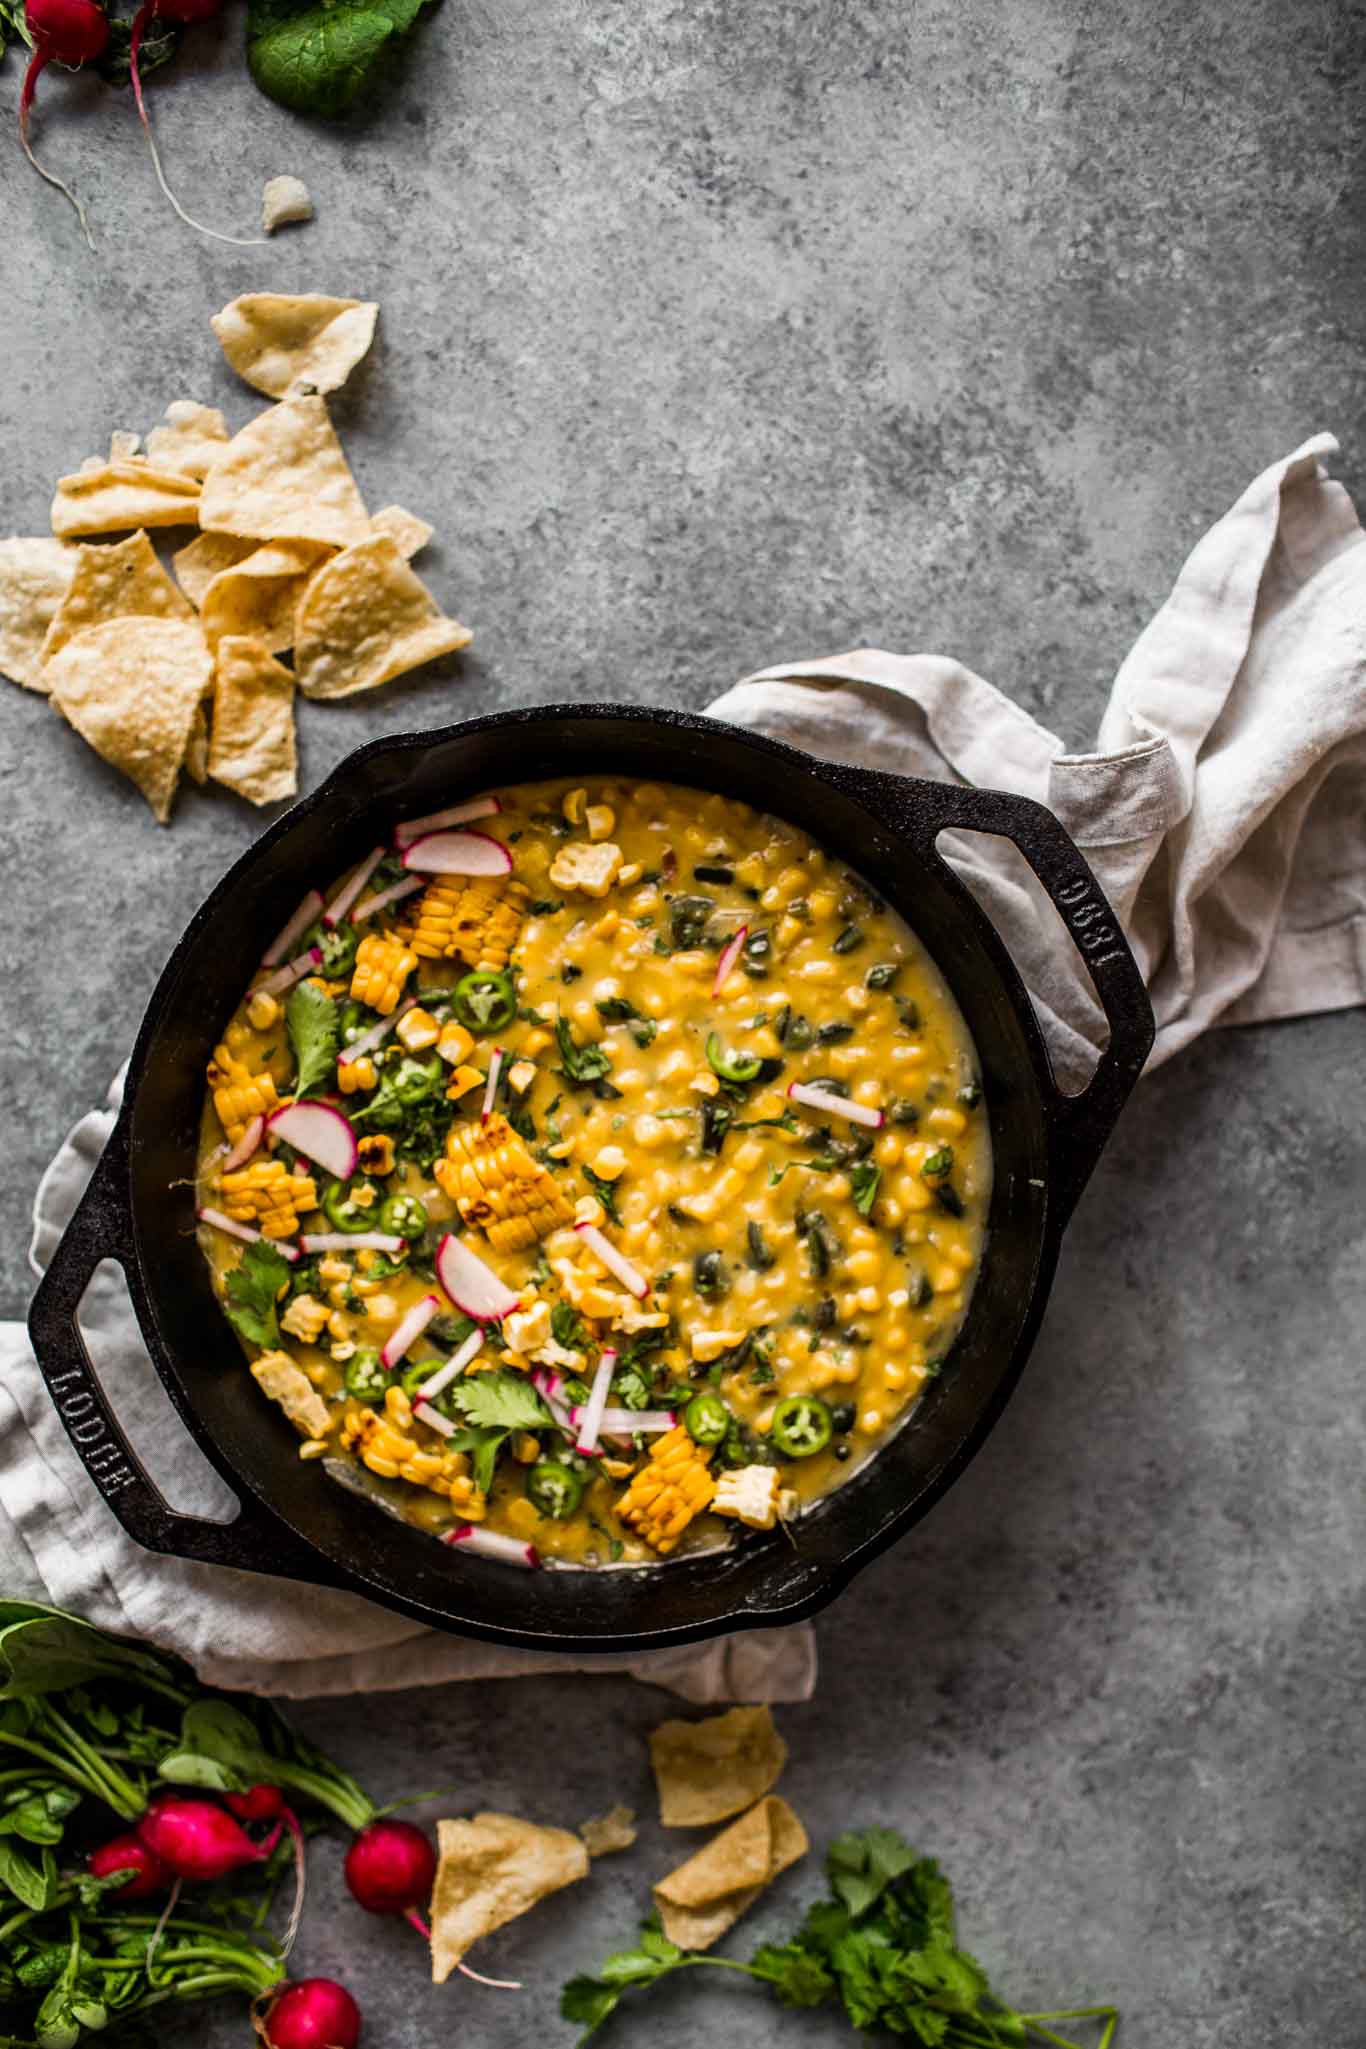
(417, 1077)
(485, 1001)
(554, 1489)
(731, 1066)
(706, 1419)
(366, 1379)
(337, 944)
(802, 1425)
(404, 1215)
(341, 1208)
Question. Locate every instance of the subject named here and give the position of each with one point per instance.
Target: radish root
(36, 63)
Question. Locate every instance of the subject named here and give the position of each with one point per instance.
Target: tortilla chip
(258, 595)
(35, 574)
(251, 747)
(411, 533)
(133, 688)
(205, 557)
(121, 580)
(284, 478)
(115, 495)
(366, 618)
(124, 447)
(188, 443)
(491, 1870)
(708, 1770)
(282, 344)
(197, 749)
(707, 1895)
(607, 1833)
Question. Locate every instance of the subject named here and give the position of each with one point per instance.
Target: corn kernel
(600, 820)
(574, 805)
(262, 1011)
(417, 1029)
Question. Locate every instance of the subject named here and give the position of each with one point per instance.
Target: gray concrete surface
(712, 336)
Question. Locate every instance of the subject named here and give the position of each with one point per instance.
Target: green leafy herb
(605, 1191)
(12, 23)
(252, 1290)
(848, 939)
(321, 56)
(314, 1026)
(159, 44)
(688, 918)
(617, 1010)
(545, 907)
(883, 974)
(566, 1327)
(938, 1164)
(863, 1185)
(760, 1254)
(482, 1447)
(501, 1400)
(580, 1064)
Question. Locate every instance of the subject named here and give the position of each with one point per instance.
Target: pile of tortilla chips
(163, 675)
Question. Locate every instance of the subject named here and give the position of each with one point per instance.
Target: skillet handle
(1078, 1125)
(101, 1229)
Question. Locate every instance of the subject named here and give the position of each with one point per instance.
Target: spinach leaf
(322, 56)
(252, 1289)
(314, 1026)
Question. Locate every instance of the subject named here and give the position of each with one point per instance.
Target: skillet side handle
(102, 1229)
(1079, 1125)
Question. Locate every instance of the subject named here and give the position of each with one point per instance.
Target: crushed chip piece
(251, 747)
(366, 618)
(411, 533)
(282, 344)
(258, 595)
(491, 1870)
(708, 1770)
(207, 556)
(35, 573)
(605, 1834)
(115, 495)
(197, 749)
(121, 580)
(132, 688)
(123, 446)
(707, 1895)
(284, 478)
(283, 200)
(192, 436)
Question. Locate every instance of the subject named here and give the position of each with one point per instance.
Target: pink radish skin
(320, 1133)
(305, 916)
(489, 1544)
(246, 1145)
(195, 1839)
(258, 1803)
(456, 814)
(68, 32)
(473, 1287)
(406, 1333)
(729, 956)
(590, 1429)
(294, 971)
(130, 1853)
(390, 1867)
(184, 12)
(314, 2013)
(458, 853)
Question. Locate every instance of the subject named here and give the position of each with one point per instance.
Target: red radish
(729, 956)
(457, 814)
(351, 1241)
(258, 1803)
(835, 1106)
(472, 1286)
(458, 853)
(180, 12)
(452, 1369)
(616, 1262)
(548, 1386)
(196, 1839)
(314, 2013)
(248, 1233)
(625, 1422)
(489, 1544)
(295, 929)
(368, 1040)
(320, 1133)
(293, 971)
(390, 1867)
(590, 1428)
(69, 32)
(491, 1085)
(408, 1330)
(246, 1145)
(386, 896)
(349, 891)
(130, 1853)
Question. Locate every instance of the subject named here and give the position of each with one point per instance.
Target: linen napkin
(1224, 813)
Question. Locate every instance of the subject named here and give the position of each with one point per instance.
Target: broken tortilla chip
(125, 447)
(411, 533)
(192, 436)
(708, 1770)
(605, 1834)
(35, 573)
(251, 746)
(306, 343)
(491, 1870)
(284, 478)
(133, 689)
(258, 595)
(197, 749)
(704, 1897)
(205, 557)
(365, 618)
(115, 495)
(121, 580)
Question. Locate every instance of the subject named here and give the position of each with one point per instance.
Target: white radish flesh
(320, 1133)
(458, 853)
(307, 913)
(455, 814)
(590, 1428)
(489, 1544)
(835, 1106)
(408, 1330)
(347, 894)
(248, 1233)
(453, 1368)
(294, 971)
(386, 896)
(375, 1036)
(245, 1146)
(491, 1085)
(351, 1241)
(625, 1422)
(615, 1262)
(472, 1286)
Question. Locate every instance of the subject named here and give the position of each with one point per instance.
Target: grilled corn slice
(475, 921)
(382, 967)
(267, 1194)
(498, 1187)
(669, 1490)
(238, 1094)
(391, 1454)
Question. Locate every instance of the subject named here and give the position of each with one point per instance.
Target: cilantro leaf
(566, 1327)
(321, 56)
(252, 1289)
(580, 1063)
(314, 1027)
(500, 1400)
(482, 1447)
(605, 1191)
(864, 1180)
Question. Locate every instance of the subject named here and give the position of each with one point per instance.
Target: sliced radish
(548, 1386)
(471, 1285)
(491, 1085)
(453, 1368)
(616, 1262)
(295, 929)
(729, 955)
(835, 1106)
(376, 1034)
(489, 1544)
(455, 814)
(625, 1422)
(433, 1418)
(351, 1241)
(248, 1233)
(590, 1423)
(320, 1133)
(386, 896)
(246, 1145)
(294, 971)
(458, 853)
(408, 1330)
(349, 891)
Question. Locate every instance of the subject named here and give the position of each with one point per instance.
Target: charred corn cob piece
(475, 921)
(392, 1454)
(238, 1094)
(266, 1193)
(669, 1490)
(383, 965)
(498, 1187)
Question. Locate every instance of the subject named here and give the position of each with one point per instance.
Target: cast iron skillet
(297, 1523)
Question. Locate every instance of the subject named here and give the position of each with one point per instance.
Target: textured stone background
(715, 335)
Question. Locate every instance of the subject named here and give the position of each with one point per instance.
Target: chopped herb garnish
(908, 1012)
(760, 1255)
(938, 1164)
(566, 1327)
(883, 974)
(605, 1191)
(948, 1198)
(545, 907)
(713, 874)
(688, 916)
(580, 1064)
(570, 973)
(904, 1111)
(863, 1184)
(834, 1033)
(848, 939)
(970, 1096)
(709, 1274)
